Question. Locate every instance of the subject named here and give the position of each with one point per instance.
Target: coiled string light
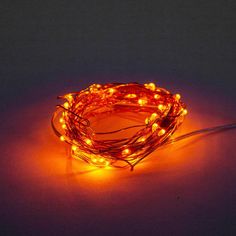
(72, 122)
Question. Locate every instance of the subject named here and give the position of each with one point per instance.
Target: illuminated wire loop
(72, 122)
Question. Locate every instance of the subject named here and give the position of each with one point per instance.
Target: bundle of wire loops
(71, 122)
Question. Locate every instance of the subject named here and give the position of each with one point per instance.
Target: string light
(165, 112)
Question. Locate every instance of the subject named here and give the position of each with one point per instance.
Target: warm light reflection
(41, 162)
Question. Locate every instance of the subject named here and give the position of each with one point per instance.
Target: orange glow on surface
(43, 176)
(42, 155)
(193, 178)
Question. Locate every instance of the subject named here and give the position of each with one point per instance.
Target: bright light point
(94, 160)
(160, 107)
(61, 120)
(161, 132)
(147, 121)
(141, 139)
(63, 126)
(156, 96)
(131, 95)
(154, 127)
(88, 141)
(153, 116)
(185, 112)
(62, 138)
(73, 147)
(66, 105)
(142, 102)
(101, 160)
(111, 90)
(125, 152)
(69, 97)
(177, 96)
(152, 86)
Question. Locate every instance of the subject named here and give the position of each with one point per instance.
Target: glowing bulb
(142, 102)
(126, 152)
(177, 96)
(161, 132)
(101, 160)
(61, 120)
(153, 116)
(62, 138)
(152, 86)
(141, 139)
(69, 97)
(66, 105)
(131, 95)
(185, 112)
(73, 147)
(94, 160)
(63, 126)
(154, 127)
(160, 107)
(88, 141)
(157, 96)
(147, 121)
(111, 90)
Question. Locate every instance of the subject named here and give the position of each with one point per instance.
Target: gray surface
(49, 48)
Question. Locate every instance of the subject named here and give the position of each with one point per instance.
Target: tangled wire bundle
(72, 122)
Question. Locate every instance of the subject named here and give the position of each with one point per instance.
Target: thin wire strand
(207, 130)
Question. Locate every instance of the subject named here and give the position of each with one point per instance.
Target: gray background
(52, 47)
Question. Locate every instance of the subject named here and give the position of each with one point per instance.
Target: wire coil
(72, 122)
